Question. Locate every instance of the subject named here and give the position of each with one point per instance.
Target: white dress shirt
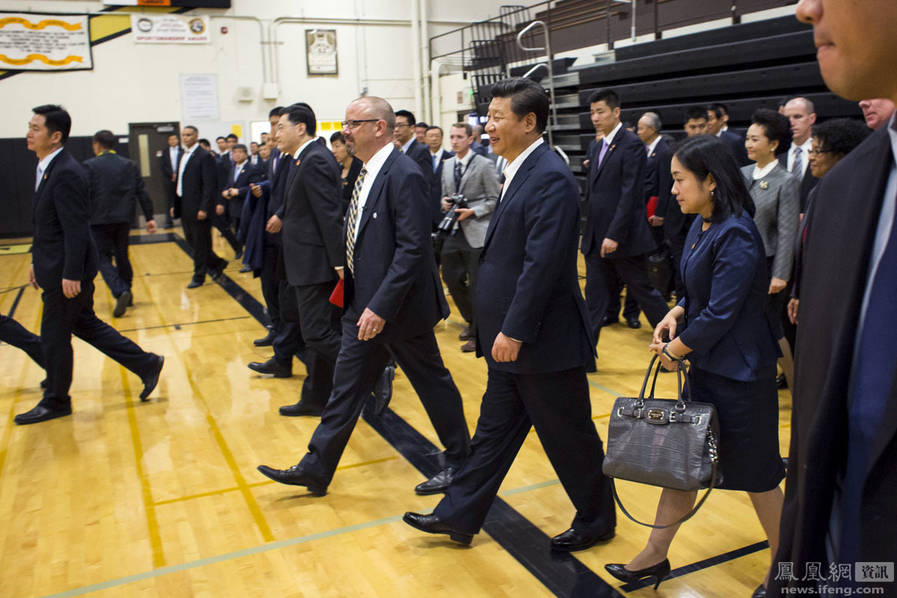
(804, 156)
(512, 168)
(653, 145)
(188, 153)
(173, 157)
(609, 139)
(43, 165)
(372, 169)
(407, 145)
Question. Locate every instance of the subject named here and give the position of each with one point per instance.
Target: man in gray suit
(472, 176)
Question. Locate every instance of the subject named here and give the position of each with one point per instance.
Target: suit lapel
(376, 190)
(509, 194)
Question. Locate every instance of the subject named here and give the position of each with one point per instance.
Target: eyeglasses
(818, 152)
(352, 124)
(401, 125)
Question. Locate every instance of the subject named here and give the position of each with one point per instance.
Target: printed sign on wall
(169, 29)
(320, 51)
(44, 42)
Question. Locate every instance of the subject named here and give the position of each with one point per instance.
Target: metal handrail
(548, 55)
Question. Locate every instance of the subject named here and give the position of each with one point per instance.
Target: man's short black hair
(301, 113)
(434, 128)
(192, 128)
(606, 95)
(696, 113)
(251, 143)
(55, 119)
(204, 141)
(220, 137)
(241, 146)
(719, 109)
(276, 111)
(105, 139)
(408, 115)
(526, 96)
(233, 136)
(338, 136)
(422, 125)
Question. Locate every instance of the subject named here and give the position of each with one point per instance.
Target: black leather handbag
(660, 270)
(663, 442)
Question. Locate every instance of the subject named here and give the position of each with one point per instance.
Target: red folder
(336, 297)
(652, 205)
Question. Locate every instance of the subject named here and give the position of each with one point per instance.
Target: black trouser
(557, 404)
(271, 274)
(18, 336)
(199, 236)
(222, 223)
(112, 242)
(601, 277)
(631, 309)
(358, 367)
(63, 317)
(460, 264)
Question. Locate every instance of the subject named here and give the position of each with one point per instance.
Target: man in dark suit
(533, 330)
(221, 220)
(115, 186)
(64, 264)
(801, 113)
(718, 124)
(420, 153)
(197, 188)
(438, 155)
(617, 237)
(393, 298)
(168, 162)
(230, 206)
(842, 475)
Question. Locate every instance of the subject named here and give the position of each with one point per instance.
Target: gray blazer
(479, 186)
(778, 215)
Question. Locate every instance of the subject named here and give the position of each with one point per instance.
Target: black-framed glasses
(352, 124)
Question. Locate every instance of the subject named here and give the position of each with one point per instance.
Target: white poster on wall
(44, 42)
(199, 97)
(169, 29)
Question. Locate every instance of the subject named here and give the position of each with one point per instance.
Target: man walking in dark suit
(438, 155)
(420, 153)
(717, 124)
(533, 330)
(197, 187)
(393, 299)
(115, 186)
(64, 264)
(617, 237)
(169, 161)
(842, 475)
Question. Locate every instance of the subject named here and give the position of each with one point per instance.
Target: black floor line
(15, 302)
(179, 325)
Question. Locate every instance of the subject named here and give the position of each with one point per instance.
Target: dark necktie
(798, 164)
(872, 378)
(458, 175)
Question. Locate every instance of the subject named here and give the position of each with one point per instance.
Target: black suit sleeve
(140, 189)
(209, 178)
(324, 195)
(632, 184)
(665, 201)
(70, 197)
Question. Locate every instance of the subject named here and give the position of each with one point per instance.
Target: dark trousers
(272, 268)
(199, 236)
(460, 264)
(63, 317)
(319, 329)
(223, 224)
(677, 246)
(18, 336)
(557, 404)
(112, 243)
(359, 365)
(601, 280)
(631, 309)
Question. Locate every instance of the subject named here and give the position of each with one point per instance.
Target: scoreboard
(175, 3)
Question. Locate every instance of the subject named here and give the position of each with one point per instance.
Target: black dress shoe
(238, 253)
(246, 268)
(608, 320)
(265, 341)
(760, 592)
(633, 323)
(383, 390)
(438, 483)
(131, 301)
(781, 381)
(301, 408)
(573, 540)
(121, 304)
(217, 274)
(150, 381)
(466, 334)
(273, 367)
(43, 383)
(41, 413)
(658, 572)
(194, 283)
(433, 525)
(295, 476)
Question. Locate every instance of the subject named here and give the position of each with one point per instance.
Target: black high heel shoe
(659, 572)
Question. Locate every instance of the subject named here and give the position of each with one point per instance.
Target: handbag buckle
(656, 415)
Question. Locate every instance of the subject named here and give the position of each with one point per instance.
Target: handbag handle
(683, 390)
(682, 519)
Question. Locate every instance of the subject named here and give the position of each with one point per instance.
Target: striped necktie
(352, 221)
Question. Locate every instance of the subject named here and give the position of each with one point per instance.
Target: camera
(449, 221)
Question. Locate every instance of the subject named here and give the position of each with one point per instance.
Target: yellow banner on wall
(43, 42)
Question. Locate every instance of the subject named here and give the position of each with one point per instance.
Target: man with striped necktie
(393, 299)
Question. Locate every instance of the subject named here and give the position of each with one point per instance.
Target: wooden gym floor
(162, 498)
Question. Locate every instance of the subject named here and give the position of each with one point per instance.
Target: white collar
(377, 160)
(653, 145)
(805, 147)
(189, 150)
(43, 164)
(512, 168)
(407, 145)
(298, 152)
(609, 139)
(241, 164)
(759, 173)
(466, 159)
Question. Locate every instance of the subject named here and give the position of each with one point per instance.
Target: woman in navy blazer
(722, 327)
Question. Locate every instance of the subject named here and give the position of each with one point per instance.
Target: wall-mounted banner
(320, 51)
(169, 29)
(44, 42)
(186, 3)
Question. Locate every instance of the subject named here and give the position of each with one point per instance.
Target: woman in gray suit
(776, 194)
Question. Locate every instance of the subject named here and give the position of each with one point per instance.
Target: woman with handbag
(720, 324)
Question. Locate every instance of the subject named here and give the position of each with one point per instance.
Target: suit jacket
(420, 153)
(62, 245)
(735, 144)
(348, 183)
(115, 187)
(777, 215)
(806, 183)
(616, 198)
(436, 193)
(395, 271)
(224, 168)
(248, 175)
(659, 180)
(833, 282)
(168, 168)
(528, 285)
(313, 219)
(199, 186)
(479, 186)
(726, 285)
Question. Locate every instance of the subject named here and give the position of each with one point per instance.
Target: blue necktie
(871, 381)
(602, 153)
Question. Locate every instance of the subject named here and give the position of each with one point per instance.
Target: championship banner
(44, 42)
(170, 29)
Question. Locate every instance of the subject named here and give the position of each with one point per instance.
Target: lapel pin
(764, 185)
(298, 161)
(374, 215)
